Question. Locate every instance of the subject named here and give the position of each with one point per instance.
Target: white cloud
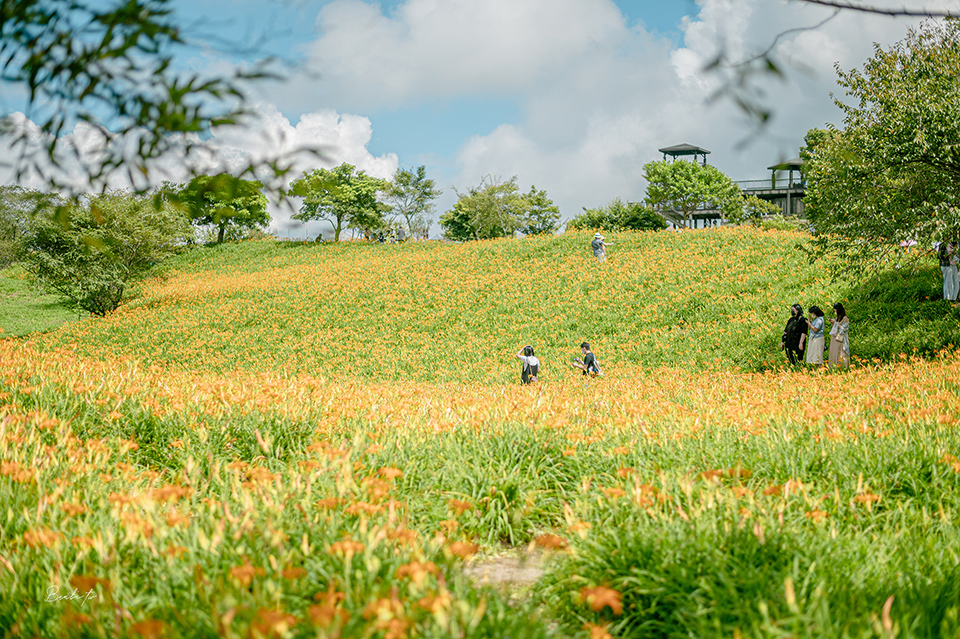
(597, 96)
(588, 131)
(339, 138)
(431, 49)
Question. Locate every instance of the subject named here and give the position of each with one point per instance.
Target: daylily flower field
(291, 440)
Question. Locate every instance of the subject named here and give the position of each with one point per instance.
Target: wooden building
(784, 191)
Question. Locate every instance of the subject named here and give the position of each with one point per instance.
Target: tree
(811, 141)
(411, 196)
(677, 189)
(540, 214)
(110, 241)
(342, 196)
(891, 174)
(618, 216)
(16, 206)
(492, 209)
(753, 210)
(741, 80)
(110, 63)
(225, 201)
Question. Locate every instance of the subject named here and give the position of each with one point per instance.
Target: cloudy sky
(572, 96)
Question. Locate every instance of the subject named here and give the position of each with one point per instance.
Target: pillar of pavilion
(796, 164)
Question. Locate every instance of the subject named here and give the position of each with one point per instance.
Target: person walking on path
(531, 365)
(794, 335)
(599, 247)
(947, 254)
(815, 343)
(839, 338)
(589, 364)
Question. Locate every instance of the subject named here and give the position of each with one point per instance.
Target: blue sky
(573, 96)
(414, 132)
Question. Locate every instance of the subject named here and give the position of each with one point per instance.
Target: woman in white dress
(815, 345)
(840, 338)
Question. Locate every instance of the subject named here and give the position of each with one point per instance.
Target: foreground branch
(904, 12)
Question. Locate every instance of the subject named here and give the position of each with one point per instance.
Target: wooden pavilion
(682, 150)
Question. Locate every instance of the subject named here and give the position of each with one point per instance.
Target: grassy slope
(458, 312)
(23, 310)
(715, 503)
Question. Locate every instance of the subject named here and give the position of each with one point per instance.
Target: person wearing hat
(599, 247)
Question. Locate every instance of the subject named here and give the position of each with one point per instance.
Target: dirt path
(509, 571)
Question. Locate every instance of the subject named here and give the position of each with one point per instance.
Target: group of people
(392, 235)
(804, 339)
(531, 364)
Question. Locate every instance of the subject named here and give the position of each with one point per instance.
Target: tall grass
(190, 471)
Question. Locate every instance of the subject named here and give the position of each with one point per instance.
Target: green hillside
(458, 312)
(299, 440)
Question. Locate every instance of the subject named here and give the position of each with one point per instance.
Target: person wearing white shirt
(531, 365)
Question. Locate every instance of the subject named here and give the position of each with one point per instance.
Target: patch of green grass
(26, 308)
(902, 311)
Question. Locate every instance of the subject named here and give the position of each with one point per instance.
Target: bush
(754, 210)
(90, 252)
(782, 223)
(618, 216)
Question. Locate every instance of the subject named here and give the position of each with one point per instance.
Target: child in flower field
(531, 365)
(589, 363)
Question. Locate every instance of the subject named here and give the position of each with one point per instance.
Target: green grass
(442, 312)
(718, 493)
(25, 308)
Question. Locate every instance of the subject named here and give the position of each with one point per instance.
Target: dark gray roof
(795, 163)
(683, 149)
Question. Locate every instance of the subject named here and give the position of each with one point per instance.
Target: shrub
(618, 216)
(90, 252)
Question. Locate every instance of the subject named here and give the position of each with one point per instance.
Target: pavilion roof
(795, 163)
(683, 149)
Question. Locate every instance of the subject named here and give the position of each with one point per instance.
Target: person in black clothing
(589, 363)
(795, 335)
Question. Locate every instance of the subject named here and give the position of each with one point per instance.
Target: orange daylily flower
(599, 597)
(294, 573)
(272, 623)
(171, 493)
(458, 506)
(435, 603)
(551, 542)
(38, 537)
(347, 547)
(150, 629)
(325, 615)
(597, 631)
(390, 473)
(463, 549)
(73, 510)
(417, 571)
(245, 573)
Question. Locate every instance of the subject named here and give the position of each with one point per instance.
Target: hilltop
(458, 312)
